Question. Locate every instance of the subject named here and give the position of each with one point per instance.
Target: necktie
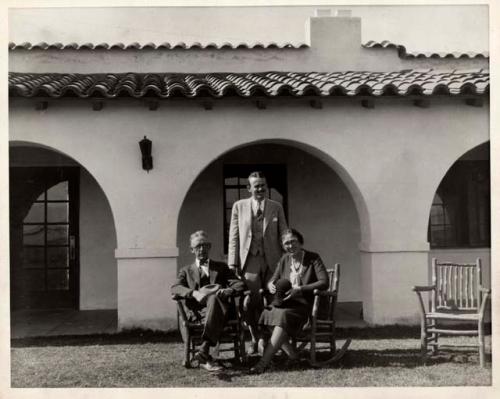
(259, 210)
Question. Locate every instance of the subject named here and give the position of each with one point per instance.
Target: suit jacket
(314, 276)
(188, 280)
(240, 232)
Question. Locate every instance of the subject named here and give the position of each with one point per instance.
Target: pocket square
(275, 219)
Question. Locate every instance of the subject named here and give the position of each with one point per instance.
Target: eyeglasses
(201, 246)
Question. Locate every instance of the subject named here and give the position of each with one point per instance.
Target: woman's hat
(282, 287)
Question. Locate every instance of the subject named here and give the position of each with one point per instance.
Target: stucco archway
(459, 225)
(95, 231)
(323, 202)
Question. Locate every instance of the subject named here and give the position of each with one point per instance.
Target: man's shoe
(259, 368)
(201, 357)
(211, 366)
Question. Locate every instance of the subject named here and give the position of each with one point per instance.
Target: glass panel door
(44, 229)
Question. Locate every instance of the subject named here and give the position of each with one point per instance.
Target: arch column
(143, 276)
(387, 279)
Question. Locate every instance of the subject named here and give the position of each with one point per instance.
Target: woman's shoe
(253, 349)
(292, 362)
(297, 359)
(259, 368)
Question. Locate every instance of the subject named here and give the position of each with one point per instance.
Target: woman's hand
(271, 287)
(293, 293)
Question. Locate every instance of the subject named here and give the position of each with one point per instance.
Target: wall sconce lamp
(147, 160)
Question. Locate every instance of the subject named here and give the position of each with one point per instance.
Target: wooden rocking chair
(456, 295)
(320, 328)
(233, 335)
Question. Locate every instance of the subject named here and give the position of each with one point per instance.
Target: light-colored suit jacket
(240, 232)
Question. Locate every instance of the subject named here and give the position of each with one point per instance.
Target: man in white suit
(255, 245)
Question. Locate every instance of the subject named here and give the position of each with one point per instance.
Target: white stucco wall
(98, 281)
(381, 154)
(97, 233)
(319, 206)
(389, 146)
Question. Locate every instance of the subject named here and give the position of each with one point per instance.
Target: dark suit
(214, 313)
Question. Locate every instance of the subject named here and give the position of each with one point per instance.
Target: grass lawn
(376, 357)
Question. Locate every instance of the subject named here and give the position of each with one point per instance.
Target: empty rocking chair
(456, 295)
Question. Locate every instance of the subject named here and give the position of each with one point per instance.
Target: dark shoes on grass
(259, 368)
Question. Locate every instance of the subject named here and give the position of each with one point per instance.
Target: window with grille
(460, 212)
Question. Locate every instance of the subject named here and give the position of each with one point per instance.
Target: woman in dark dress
(304, 271)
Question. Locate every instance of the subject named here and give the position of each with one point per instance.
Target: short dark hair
(295, 233)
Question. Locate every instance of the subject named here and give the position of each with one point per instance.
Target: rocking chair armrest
(486, 296)
(237, 294)
(324, 293)
(423, 288)
(246, 299)
(264, 294)
(315, 308)
(180, 308)
(418, 290)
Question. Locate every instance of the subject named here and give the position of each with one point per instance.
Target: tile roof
(232, 46)
(271, 84)
(403, 53)
(152, 46)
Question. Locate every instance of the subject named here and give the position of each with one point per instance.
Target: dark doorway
(44, 237)
(235, 187)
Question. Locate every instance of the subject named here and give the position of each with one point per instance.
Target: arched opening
(316, 199)
(460, 211)
(459, 226)
(62, 233)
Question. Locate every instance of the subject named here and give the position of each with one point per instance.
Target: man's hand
(271, 287)
(225, 293)
(293, 293)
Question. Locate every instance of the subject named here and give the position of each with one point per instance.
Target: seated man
(213, 309)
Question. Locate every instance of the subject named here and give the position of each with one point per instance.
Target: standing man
(254, 245)
(211, 307)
